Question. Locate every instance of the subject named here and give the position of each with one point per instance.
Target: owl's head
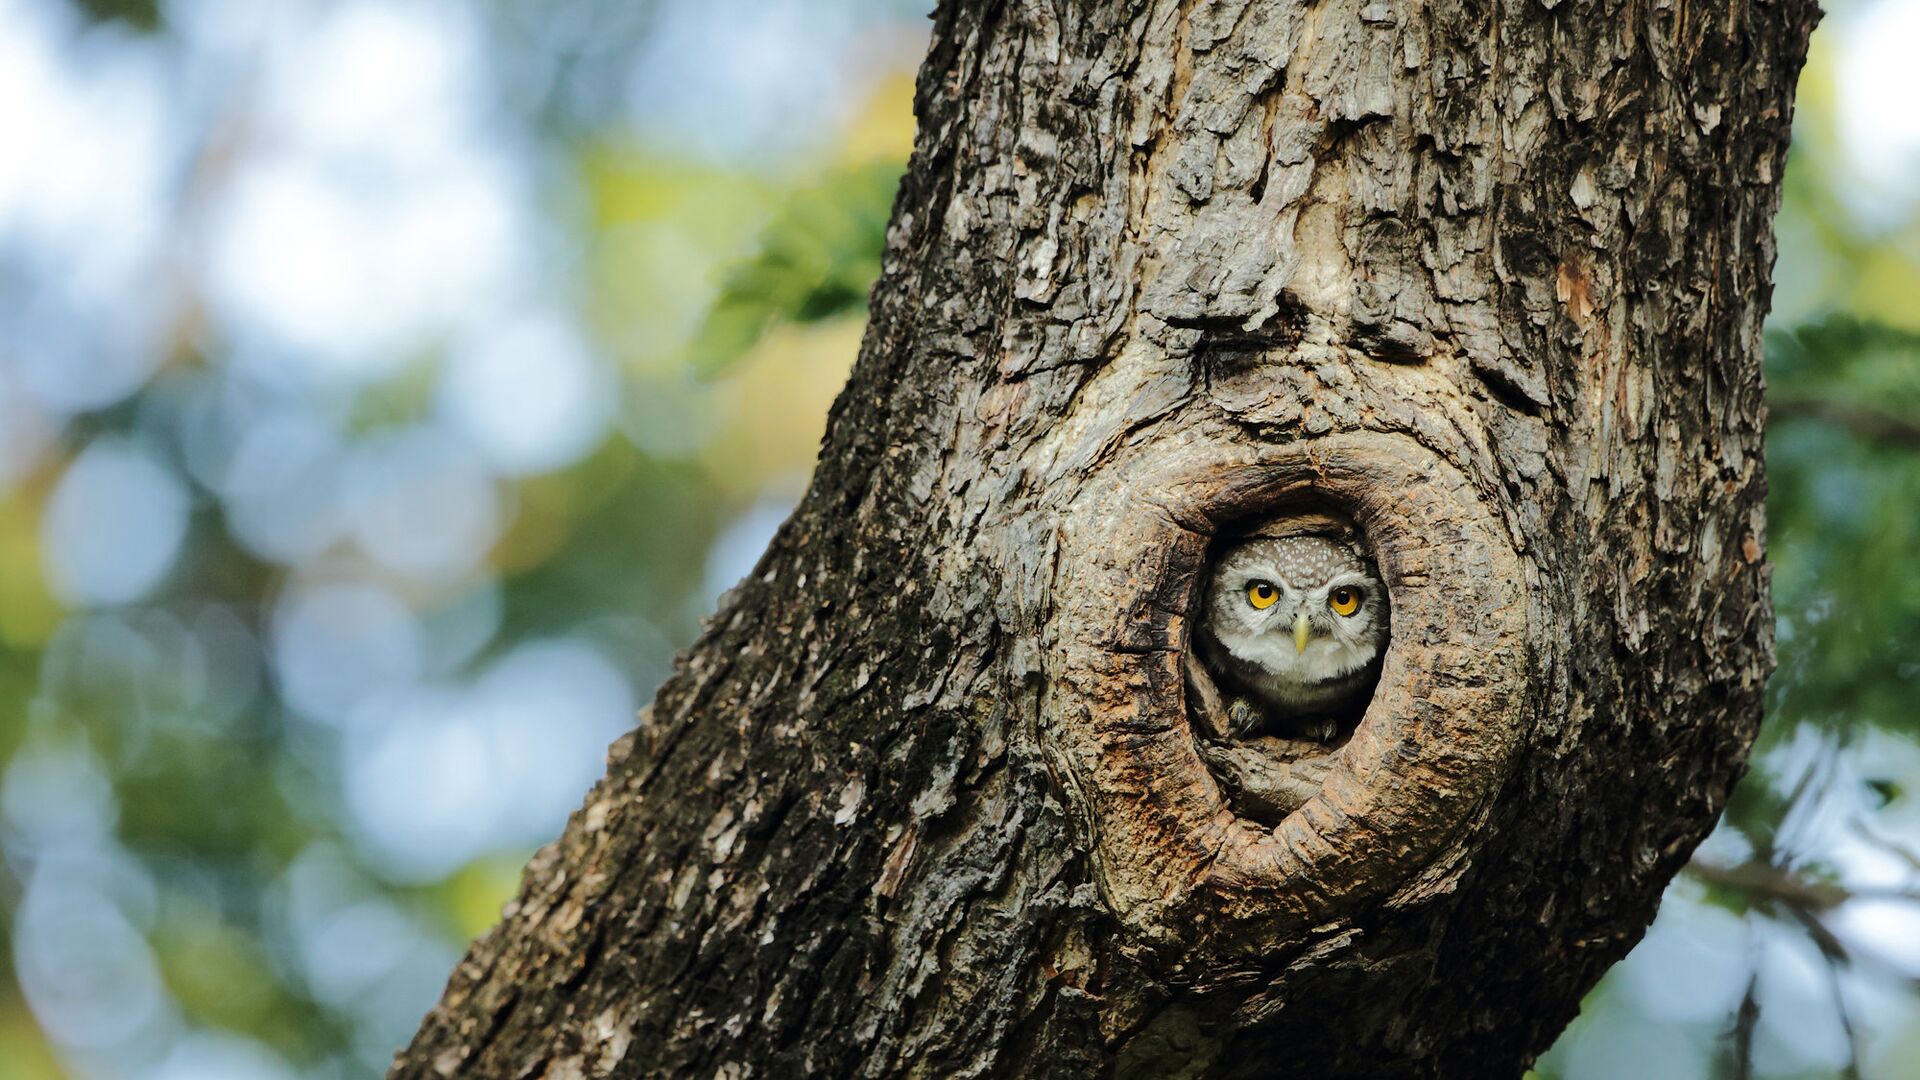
(1306, 607)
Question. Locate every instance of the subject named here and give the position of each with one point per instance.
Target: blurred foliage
(1844, 456)
(1831, 260)
(173, 766)
(140, 14)
(814, 260)
(168, 763)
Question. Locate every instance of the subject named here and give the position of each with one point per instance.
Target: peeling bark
(927, 797)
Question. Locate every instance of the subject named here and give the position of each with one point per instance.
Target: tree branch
(1864, 421)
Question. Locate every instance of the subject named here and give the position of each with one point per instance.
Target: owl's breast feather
(1323, 677)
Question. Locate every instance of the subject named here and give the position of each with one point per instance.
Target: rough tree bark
(926, 798)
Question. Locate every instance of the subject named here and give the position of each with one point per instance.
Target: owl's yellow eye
(1344, 601)
(1262, 595)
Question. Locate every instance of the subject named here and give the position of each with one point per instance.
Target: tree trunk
(928, 798)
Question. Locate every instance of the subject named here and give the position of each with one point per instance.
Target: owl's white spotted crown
(1311, 558)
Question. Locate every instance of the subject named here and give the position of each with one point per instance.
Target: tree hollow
(1392, 824)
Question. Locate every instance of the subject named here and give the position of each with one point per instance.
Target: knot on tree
(1248, 840)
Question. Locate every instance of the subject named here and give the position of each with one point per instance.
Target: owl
(1295, 628)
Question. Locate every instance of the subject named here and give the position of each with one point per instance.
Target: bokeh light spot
(113, 526)
(337, 644)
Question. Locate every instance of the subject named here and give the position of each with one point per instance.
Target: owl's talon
(1244, 718)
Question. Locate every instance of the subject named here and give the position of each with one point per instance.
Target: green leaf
(814, 260)
(139, 14)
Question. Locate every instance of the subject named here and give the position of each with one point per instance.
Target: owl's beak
(1300, 632)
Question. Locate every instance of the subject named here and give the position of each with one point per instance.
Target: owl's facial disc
(1294, 620)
